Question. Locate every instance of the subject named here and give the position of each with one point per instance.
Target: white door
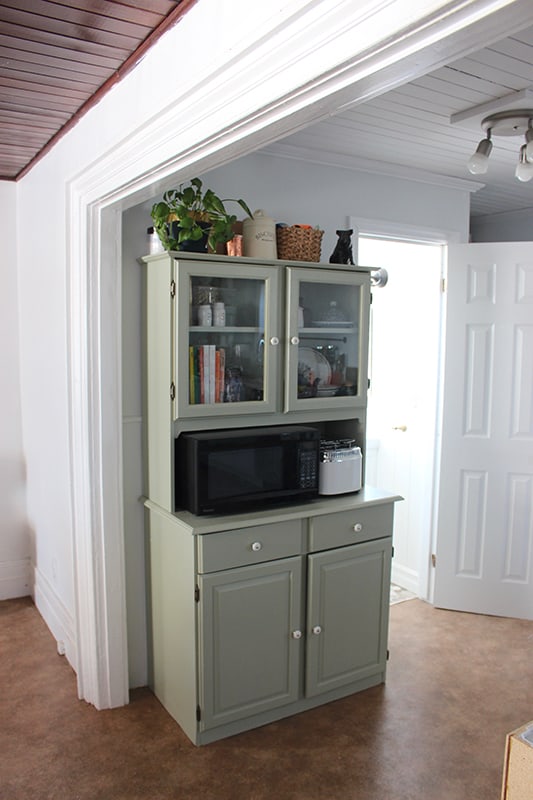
(484, 546)
(402, 398)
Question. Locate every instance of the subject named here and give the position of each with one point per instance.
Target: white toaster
(340, 467)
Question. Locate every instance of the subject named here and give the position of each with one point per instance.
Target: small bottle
(154, 242)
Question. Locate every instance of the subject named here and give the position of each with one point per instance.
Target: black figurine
(343, 249)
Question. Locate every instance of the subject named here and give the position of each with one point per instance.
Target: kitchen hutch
(259, 615)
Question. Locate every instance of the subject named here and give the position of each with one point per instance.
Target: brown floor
(456, 684)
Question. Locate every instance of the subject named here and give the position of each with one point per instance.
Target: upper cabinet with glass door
(227, 346)
(327, 338)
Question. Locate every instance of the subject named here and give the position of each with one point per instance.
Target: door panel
(348, 607)
(249, 658)
(485, 517)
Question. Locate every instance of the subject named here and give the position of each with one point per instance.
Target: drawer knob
(317, 630)
(257, 546)
(358, 527)
(296, 634)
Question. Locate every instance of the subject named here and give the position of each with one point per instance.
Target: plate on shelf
(328, 390)
(322, 323)
(310, 360)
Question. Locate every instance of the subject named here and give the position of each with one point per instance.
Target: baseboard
(406, 577)
(15, 578)
(57, 617)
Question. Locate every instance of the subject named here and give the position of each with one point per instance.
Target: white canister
(259, 236)
(205, 316)
(219, 314)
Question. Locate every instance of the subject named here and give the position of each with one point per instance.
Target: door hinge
(173, 288)
(197, 594)
(433, 560)
(172, 391)
(198, 713)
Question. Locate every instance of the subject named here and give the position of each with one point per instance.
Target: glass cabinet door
(327, 338)
(227, 341)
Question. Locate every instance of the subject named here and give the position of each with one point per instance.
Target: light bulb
(478, 164)
(524, 169)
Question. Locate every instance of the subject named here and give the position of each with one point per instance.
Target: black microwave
(230, 470)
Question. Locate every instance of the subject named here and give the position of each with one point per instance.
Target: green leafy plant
(196, 212)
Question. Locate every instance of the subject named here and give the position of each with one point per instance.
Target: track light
(529, 141)
(506, 123)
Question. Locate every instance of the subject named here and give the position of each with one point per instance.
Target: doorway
(403, 397)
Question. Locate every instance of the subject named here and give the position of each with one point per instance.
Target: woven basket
(299, 244)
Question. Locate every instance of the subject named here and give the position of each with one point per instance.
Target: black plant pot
(191, 245)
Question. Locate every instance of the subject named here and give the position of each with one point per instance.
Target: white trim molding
(305, 61)
(57, 617)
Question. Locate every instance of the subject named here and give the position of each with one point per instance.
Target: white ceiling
(409, 129)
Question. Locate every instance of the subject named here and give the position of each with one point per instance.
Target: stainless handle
(402, 428)
(358, 527)
(295, 340)
(257, 546)
(296, 634)
(274, 340)
(317, 630)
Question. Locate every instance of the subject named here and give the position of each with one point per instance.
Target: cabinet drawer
(249, 545)
(350, 527)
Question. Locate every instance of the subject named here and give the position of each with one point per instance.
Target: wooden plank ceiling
(57, 58)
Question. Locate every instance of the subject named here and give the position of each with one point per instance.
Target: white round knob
(296, 634)
(317, 629)
(358, 527)
(274, 340)
(257, 546)
(295, 340)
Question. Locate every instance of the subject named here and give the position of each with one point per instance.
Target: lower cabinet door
(250, 641)
(348, 612)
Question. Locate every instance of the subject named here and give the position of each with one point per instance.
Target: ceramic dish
(311, 361)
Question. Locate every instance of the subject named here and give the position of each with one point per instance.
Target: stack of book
(207, 367)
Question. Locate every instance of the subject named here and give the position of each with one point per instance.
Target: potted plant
(191, 218)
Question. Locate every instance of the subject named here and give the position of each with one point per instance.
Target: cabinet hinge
(173, 288)
(443, 285)
(388, 654)
(172, 391)
(196, 594)
(368, 383)
(433, 560)
(198, 713)
(393, 551)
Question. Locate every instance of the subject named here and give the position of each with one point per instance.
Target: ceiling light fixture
(518, 122)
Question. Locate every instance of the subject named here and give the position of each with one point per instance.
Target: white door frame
(134, 171)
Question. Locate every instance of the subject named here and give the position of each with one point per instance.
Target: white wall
(512, 226)
(295, 191)
(15, 535)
